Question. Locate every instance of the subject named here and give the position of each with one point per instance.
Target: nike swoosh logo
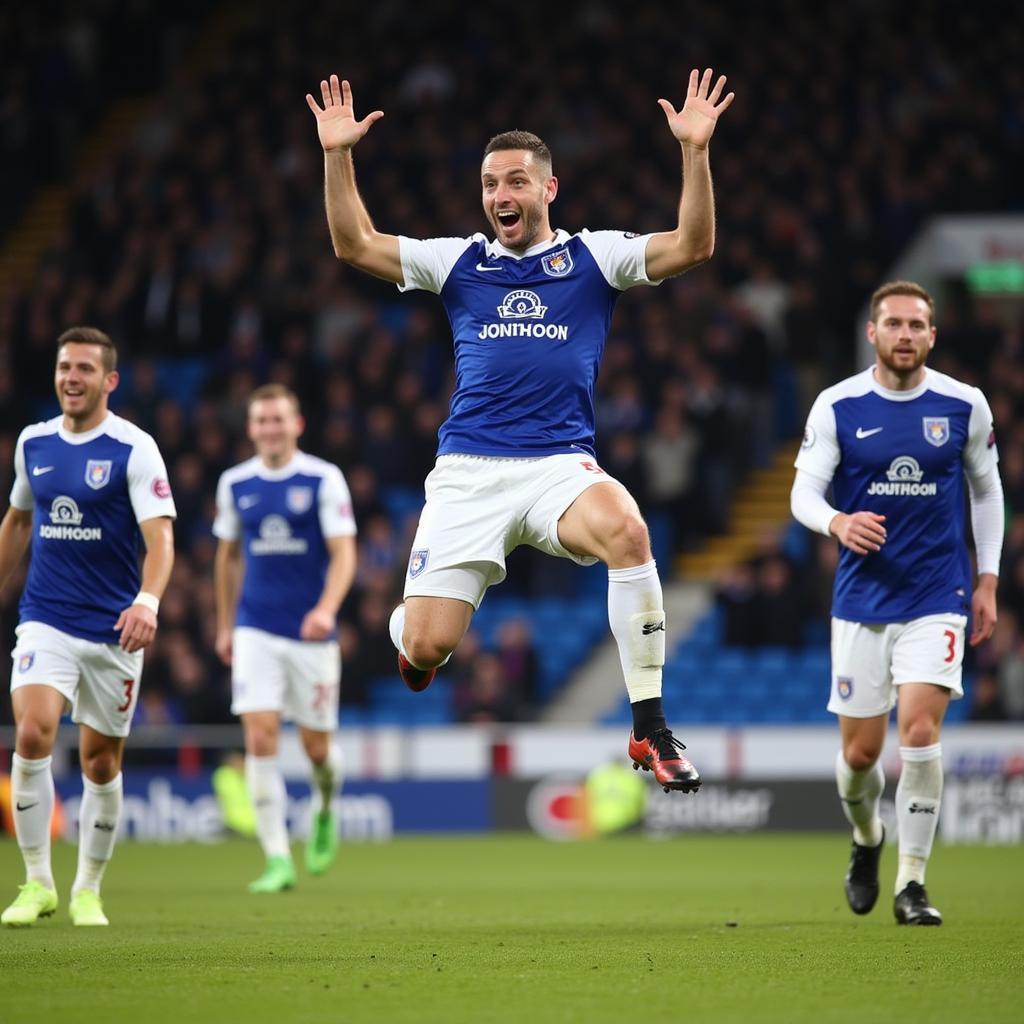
(248, 501)
(862, 433)
(27, 807)
(40, 470)
(485, 270)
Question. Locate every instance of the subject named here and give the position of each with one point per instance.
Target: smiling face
(903, 335)
(82, 384)
(275, 427)
(517, 190)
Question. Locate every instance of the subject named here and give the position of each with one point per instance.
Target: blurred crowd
(199, 242)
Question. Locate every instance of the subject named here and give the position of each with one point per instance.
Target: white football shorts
(480, 508)
(299, 679)
(871, 660)
(100, 682)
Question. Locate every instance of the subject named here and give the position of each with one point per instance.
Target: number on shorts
(129, 685)
(591, 467)
(321, 696)
(951, 637)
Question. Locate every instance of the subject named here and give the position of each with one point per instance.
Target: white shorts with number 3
(99, 681)
(870, 660)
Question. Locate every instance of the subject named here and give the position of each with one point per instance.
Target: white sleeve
(621, 256)
(980, 453)
(21, 492)
(819, 451)
(228, 524)
(427, 262)
(148, 488)
(808, 504)
(987, 518)
(335, 506)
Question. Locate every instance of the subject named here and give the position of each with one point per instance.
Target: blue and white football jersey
(529, 331)
(281, 516)
(902, 454)
(88, 493)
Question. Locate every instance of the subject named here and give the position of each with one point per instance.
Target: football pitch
(702, 929)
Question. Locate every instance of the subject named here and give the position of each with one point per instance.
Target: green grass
(521, 930)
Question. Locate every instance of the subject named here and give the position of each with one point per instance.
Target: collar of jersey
(495, 248)
(89, 435)
(898, 396)
(290, 468)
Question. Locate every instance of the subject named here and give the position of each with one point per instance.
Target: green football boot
(34, 901)
(86, 910)
(322, 846)
(278, 876)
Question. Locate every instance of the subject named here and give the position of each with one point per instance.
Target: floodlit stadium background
(162, 180)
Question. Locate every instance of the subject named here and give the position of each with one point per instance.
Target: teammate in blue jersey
(88, 487)
(530, 313)
(895, 443)
(285, 560)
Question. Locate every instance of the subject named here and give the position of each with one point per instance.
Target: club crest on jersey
(97, 473)
(298, 499)
(557, 264)
(25, 661)
(936, 430)
(844, 687)
(418, 562)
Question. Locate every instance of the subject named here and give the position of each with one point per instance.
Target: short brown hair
(91, 336)
(266, 391)
(522, 140)
(910, 288)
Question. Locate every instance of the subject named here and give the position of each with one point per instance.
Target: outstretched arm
(355, 239)
(693, 240)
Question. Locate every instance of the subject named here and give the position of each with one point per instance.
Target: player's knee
(423, 649)
(860, 755)
(101, 767)
(35, 738)
(317, 746)
(921, 732)
(261, 742)
(628, 541)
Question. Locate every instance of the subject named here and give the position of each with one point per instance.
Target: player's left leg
(269, 799)
(604, 522)
(922, 707)
(98, 820)
(328, 775)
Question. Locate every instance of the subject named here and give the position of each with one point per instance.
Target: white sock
(98, 818)
(327, 779)
(637, 620)
(32, 796)
(266, 789)
(860, 793)
(918, 796)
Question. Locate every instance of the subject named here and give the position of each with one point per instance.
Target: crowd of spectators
(200, 244)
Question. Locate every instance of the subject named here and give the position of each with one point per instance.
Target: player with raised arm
(285, 560)
(87, 486)
(895, 443)
(530, 313)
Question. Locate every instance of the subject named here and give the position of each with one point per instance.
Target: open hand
(694, 124)
(336, 123)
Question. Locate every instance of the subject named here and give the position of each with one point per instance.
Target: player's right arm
(15, 534)
(355, 239)
(227, 585)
